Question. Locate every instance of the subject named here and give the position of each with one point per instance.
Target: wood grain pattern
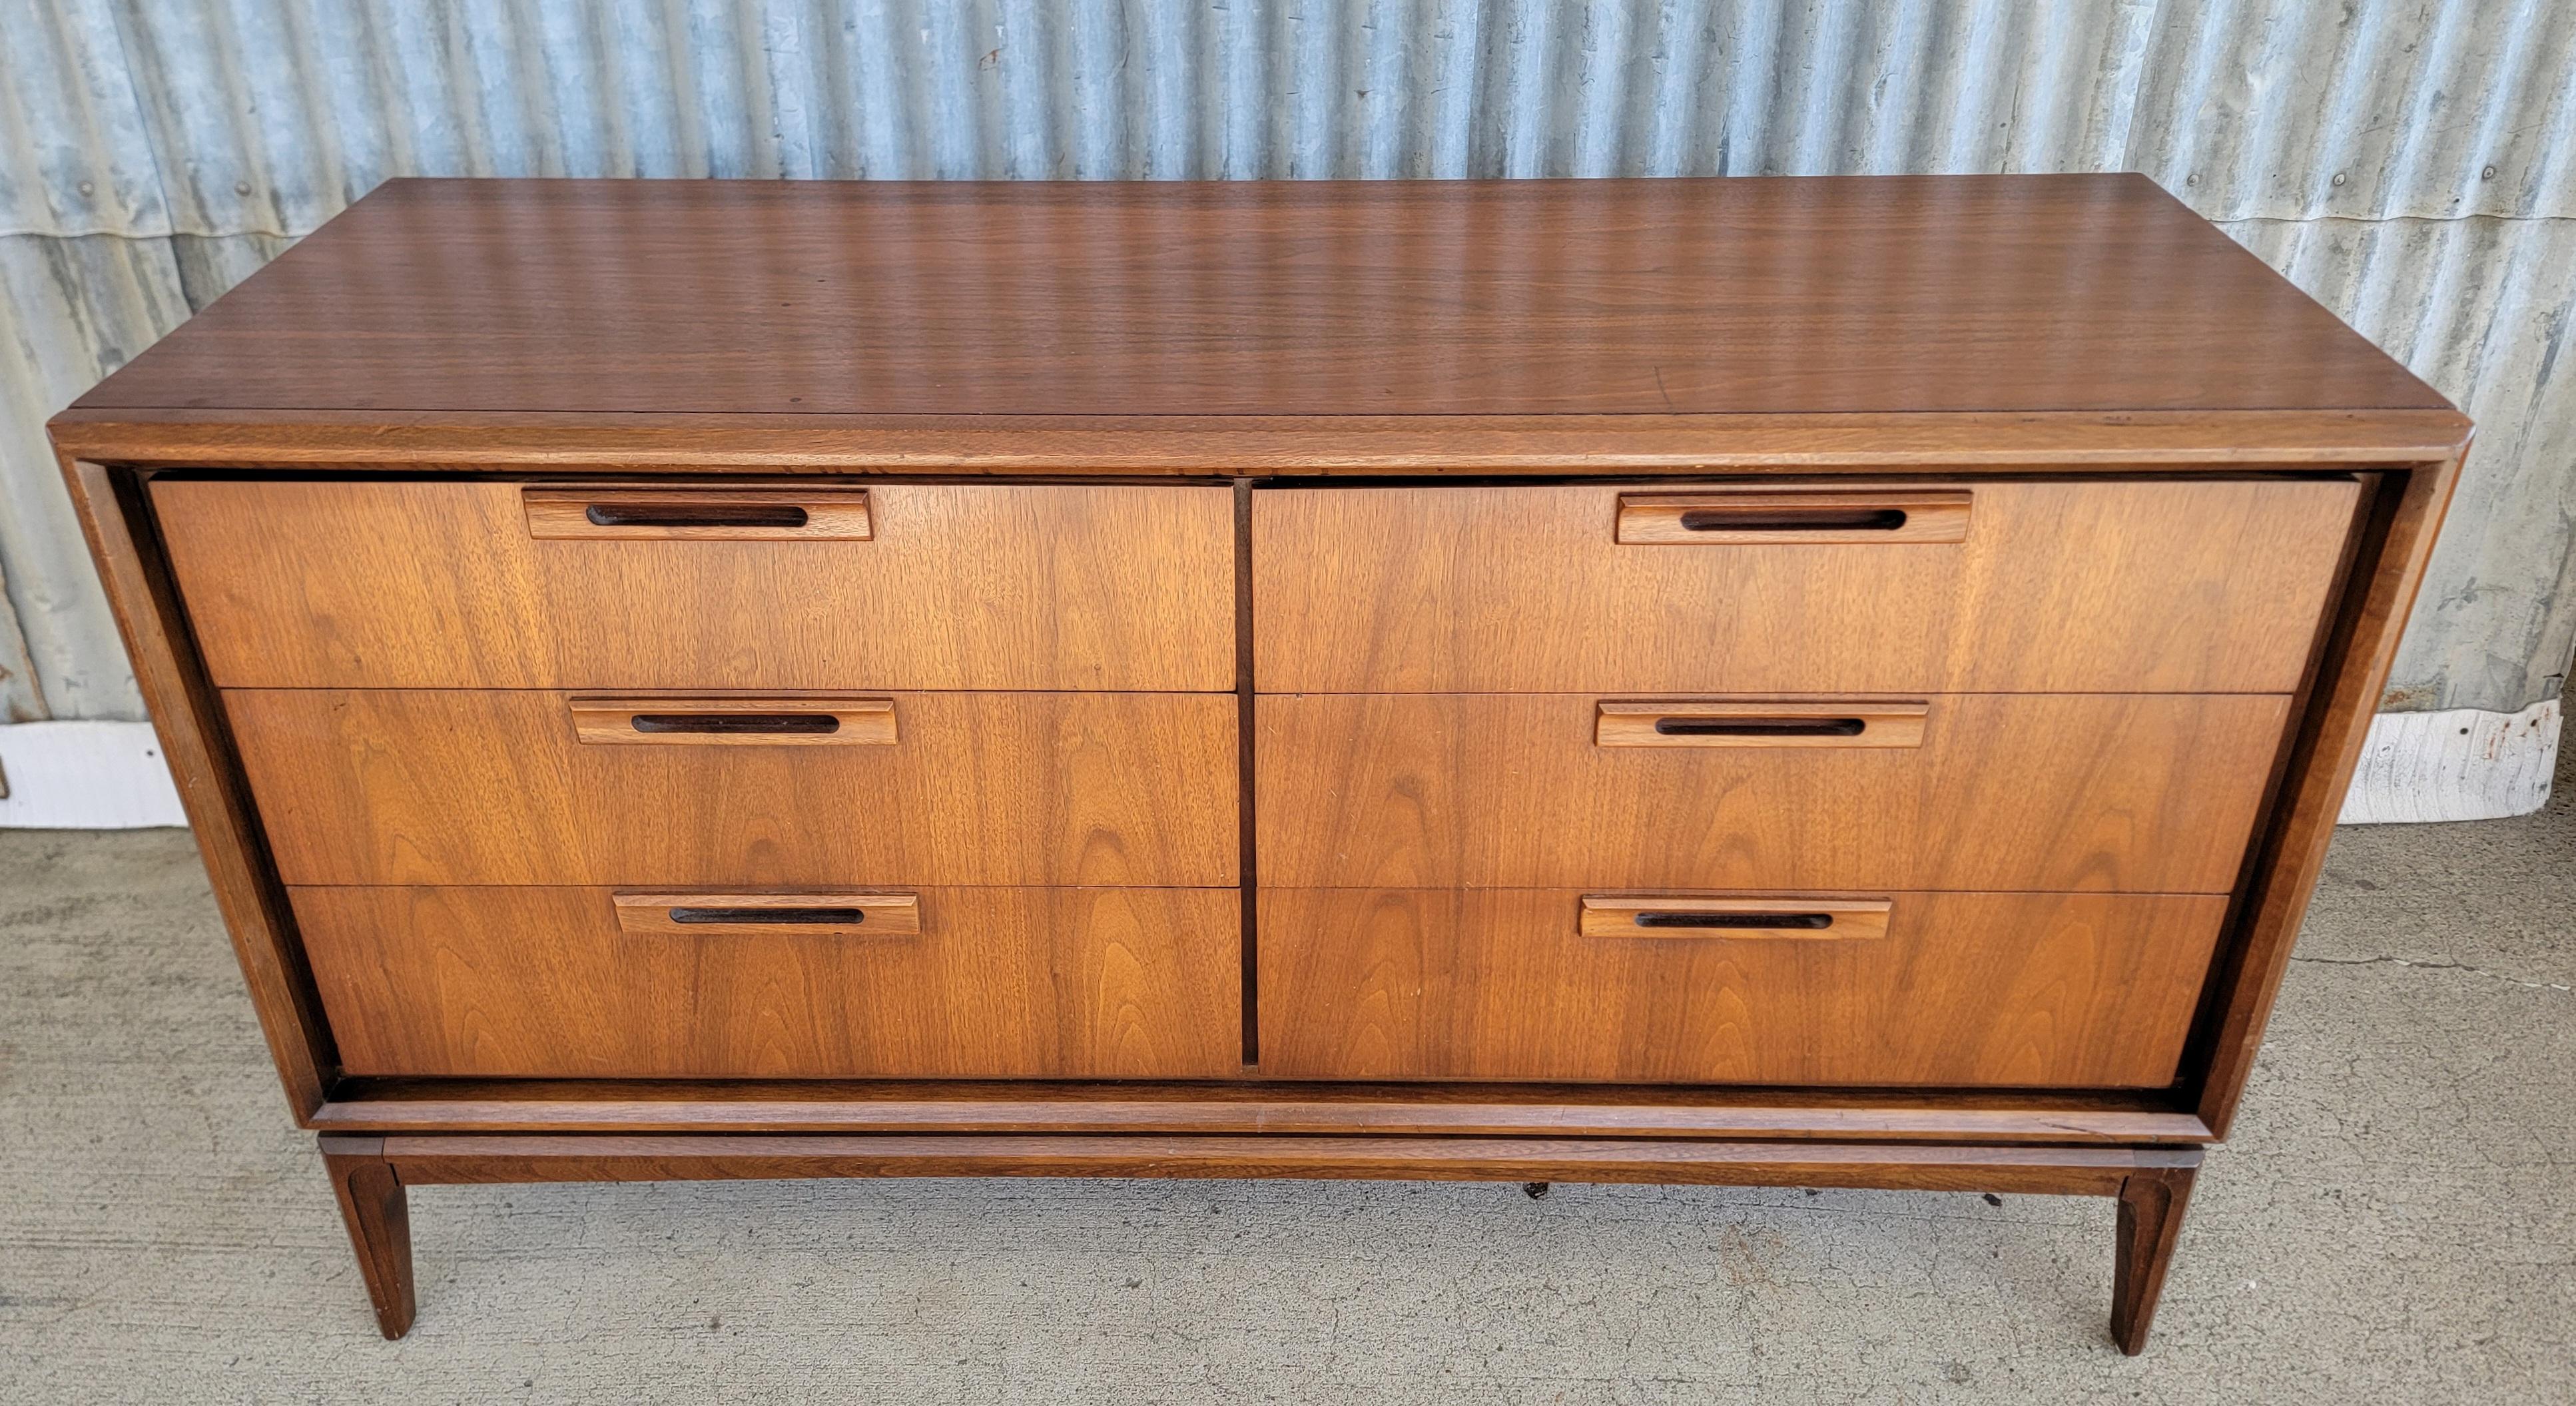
(1967, 989)
(803, 914)
(2282, 873)
(379, 1168)
(378, 1217)
(2136, 792)
(1256, 1105)
(1901, 294)
(397, 786)
(999, 983)
(2032, 344)
(2152, 1201)
(698, 513)
(733, 720)
(1752, 516)
(2051, 443)
(1781, 722)
(116, 517)
(306, 584)
(2181, 586)
(1795, 918)
(432, 1160)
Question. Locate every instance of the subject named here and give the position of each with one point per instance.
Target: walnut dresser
(1837, 682)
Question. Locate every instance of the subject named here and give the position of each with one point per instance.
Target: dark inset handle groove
(1735, 920)
(1792, 519)
(799, 724)
(1761, 727)
(695, 515)
(832, 917)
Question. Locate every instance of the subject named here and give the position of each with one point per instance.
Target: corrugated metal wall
(2412, 165)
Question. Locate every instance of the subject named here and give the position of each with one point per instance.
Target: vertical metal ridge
(267, 116)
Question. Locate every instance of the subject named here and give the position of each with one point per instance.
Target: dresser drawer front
(460, 786)
(300, 584)
(994, 983)
(1938, 990)
(2134, 792)
(2210, 585)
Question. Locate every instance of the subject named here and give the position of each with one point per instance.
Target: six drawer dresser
(1834, 682)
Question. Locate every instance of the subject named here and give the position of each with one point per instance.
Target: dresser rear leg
(2151, 1206)
(379, 1220)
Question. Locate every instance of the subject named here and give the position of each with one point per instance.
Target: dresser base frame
(371, 1176)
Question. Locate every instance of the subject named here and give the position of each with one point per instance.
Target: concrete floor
(2395, 1222)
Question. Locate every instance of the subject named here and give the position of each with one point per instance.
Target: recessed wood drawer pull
(1761, 723)
(1690, 916)
(1783, 519)
(1761, 727)
(754, 721)
(662, 513)
(693, 515)
(1716, 920)
(844, 917)
(812, 724)
(1789, 517)
(767, 914)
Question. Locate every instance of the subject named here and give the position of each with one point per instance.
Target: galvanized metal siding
(223, 117)
(70, 311)
(2414, 165)
(2480, 308)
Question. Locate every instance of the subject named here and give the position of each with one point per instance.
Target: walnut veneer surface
(1326, 298)
(1237, 680)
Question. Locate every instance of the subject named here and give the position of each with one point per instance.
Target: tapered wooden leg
(379, 1220)
(2151, 1206)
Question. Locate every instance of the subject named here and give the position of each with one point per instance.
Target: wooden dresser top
(519, 303)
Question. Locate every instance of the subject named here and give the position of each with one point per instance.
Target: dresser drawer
(1932, 989)
(303, 583)
(990, 983)
(2208, 585)
(462, 786)
(2137, 792)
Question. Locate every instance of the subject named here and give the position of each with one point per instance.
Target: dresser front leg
(2151, 1207)
(379, 1220)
